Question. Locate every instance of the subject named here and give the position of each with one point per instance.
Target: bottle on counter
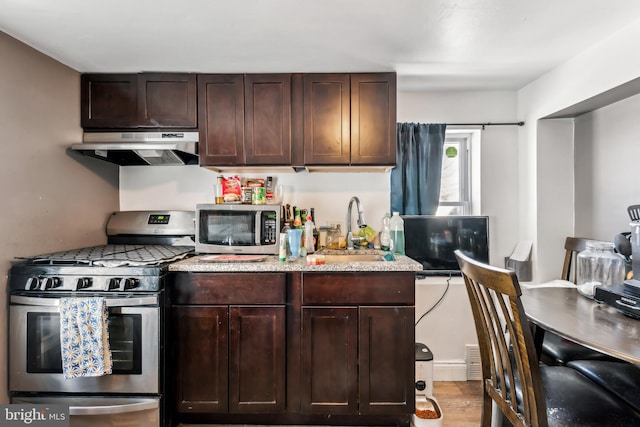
(385, 233)
(396, 224)
(285, 232)
(308, 235)
(316, 233)
(219, 196)
(282, 249)
(297, 221)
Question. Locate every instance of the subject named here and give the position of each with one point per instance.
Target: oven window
(228, 228)
(44, 350)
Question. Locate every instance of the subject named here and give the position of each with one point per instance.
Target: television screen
(431, 240)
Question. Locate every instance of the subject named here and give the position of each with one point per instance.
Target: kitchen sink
(359, 255)
(352, 258)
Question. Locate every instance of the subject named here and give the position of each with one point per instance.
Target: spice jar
(598, 265)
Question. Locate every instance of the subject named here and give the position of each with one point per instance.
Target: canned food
(247, 195)
(259, 196)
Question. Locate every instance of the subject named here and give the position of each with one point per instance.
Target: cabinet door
(329, 360)
(257, 359)
(167, 100)
(387, 360)
(267, 138)
(326, 129)
(221, 119)
(201, 346)
(109, 100)
(373, 119)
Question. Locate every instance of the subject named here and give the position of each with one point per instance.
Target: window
(455, 185)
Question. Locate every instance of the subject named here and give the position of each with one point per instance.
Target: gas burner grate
(114, 255)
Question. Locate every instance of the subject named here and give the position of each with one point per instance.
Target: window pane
(454, 186)
(450, 179)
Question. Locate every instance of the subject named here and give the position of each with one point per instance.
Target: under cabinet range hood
(141, 148)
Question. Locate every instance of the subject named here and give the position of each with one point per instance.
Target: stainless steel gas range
(127, 276)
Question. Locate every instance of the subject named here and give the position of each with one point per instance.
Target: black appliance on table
(625, 297)
(129, 273)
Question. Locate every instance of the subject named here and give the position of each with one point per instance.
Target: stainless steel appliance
(237, 228)
(128, 272)
(141, 148)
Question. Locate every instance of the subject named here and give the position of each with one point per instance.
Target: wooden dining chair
(526, 393)
(555, 349)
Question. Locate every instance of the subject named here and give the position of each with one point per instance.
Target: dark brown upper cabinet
(267, 120)
(109, 100)
(221, 117)
(326, 119)
(349, 119)
(373, 119)
(245, 119)
(145, 100)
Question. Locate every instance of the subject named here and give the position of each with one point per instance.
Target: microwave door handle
(137, 406)
(258, 232)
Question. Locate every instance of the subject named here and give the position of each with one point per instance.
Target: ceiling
(431, 44)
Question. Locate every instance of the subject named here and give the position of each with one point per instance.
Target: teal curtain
(415, 181)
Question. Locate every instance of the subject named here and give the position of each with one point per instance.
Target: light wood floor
(460, 402)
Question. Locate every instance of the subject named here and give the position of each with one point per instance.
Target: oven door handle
(142, 405)
(111, 302)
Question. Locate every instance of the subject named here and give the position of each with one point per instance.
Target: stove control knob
(114, 283)
(83, 283)
(50, 283)
(33, 284)
(131, 283)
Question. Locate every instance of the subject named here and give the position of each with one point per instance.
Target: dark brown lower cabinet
(229, 336)
(202, 357)
(247, 340)
(386, 360)
(314, 348)
(257, 359)
(356, 360)
(330, 360)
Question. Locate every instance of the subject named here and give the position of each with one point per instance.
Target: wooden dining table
(567, 313)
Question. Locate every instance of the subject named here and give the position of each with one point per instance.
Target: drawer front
(228, 288)
(392, 288)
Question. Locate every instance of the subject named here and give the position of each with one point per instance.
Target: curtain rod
(486, 124)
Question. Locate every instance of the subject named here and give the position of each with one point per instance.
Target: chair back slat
(573, 246)
(510, 370)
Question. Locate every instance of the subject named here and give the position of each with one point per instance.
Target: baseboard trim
(452, 370)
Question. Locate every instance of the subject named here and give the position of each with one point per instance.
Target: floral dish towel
(84, 337)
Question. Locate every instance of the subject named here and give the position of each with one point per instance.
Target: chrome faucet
(351, 239)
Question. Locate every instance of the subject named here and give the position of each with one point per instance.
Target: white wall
(449, 327)
(499, 152)
(606, 168)
(603, 67)
(182, 187)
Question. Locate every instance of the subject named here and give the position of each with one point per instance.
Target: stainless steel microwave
(237, 229)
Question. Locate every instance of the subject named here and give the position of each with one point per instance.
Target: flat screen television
(431, 240)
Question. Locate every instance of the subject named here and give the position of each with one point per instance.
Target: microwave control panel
(270, 228)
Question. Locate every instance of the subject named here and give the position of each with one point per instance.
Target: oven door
(102, 411)
(35, 361)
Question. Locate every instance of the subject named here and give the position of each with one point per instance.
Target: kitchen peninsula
(286, 342)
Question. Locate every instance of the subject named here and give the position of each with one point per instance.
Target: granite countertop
(199, 264)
